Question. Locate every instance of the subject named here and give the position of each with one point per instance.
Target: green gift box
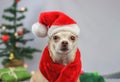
(14, 74)
(91, 77)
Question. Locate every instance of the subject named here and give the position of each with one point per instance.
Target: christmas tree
(12, 34)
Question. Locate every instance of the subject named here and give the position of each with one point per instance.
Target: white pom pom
(39, 30)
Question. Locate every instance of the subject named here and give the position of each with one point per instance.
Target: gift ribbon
(12, 72)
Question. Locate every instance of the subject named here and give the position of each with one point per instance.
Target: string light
(23, 9)
(3, 27)
(25, 66)
(16, 34)
(32, 72)
(17, 45)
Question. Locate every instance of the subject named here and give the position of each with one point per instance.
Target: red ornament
(5, 38)
(17, 0)
(20, 31)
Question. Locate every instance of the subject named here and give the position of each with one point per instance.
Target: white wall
(99, 21)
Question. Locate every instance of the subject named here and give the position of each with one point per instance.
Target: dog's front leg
(38, 77)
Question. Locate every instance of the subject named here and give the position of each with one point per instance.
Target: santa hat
(52, 22)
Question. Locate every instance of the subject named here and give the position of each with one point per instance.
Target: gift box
(14, 74)
(91, 77)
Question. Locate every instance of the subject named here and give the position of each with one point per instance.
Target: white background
(99, 21)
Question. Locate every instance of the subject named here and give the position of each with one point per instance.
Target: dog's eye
(72, 38)
(55, 37)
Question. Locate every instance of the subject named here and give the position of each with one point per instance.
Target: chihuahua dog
(62, 47)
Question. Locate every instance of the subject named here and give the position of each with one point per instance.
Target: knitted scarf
(54, 72)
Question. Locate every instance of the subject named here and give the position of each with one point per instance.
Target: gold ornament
(23, 9)
(11, 57)
(3, 27)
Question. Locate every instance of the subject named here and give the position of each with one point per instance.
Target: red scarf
(54, 72)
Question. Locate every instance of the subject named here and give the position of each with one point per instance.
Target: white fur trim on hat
(39, 29)
(72, 28)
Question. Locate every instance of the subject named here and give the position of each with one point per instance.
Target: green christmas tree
(11, 34)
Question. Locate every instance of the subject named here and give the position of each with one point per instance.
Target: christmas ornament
(11, 57)
(20, 31)
(5, 38)
(51, 22)
(3, 27)
(17, 1)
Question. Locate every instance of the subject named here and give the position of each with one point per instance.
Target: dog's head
(63, 42)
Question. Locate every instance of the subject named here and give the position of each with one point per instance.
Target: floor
(106, 80)
(112, 80)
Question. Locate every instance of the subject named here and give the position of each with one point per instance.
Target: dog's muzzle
(64, 46)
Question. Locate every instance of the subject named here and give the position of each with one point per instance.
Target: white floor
(106, 80)
(112, 80)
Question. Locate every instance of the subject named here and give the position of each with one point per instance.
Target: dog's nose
(64, 43)
(64, 46)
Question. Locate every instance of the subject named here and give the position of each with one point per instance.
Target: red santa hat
(52, 22)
